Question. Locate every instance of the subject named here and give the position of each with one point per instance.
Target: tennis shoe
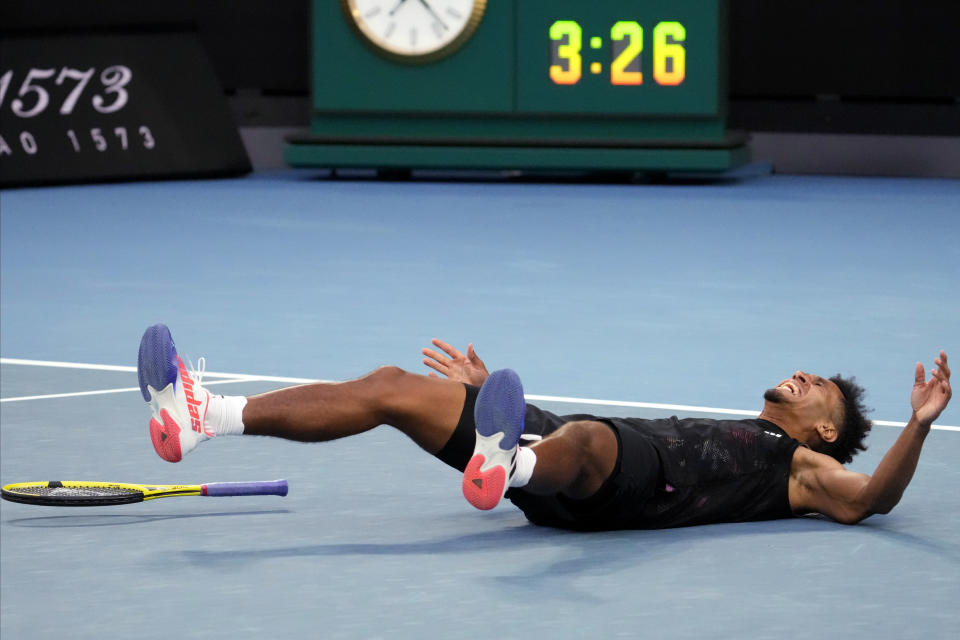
(499, 417)
(178, 402)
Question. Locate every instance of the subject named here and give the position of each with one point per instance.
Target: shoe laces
(197, 372)
(200, 370)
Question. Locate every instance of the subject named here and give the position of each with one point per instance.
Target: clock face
(415, 30)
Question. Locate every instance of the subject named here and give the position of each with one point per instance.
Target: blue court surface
(612, 299)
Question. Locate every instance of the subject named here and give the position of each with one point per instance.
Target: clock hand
(397, 8)
(433, 13)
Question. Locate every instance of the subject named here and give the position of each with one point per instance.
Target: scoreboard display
(601, 62)
(520, 84)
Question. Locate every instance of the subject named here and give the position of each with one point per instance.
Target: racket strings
(75, 492)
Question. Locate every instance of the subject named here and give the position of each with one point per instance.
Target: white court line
(242, 377)
(642, 405)
(66, 365)
(100, 392)
(684, 407)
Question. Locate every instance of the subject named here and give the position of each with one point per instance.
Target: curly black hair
(855, 425)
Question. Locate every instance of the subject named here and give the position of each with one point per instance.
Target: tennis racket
(93, 494)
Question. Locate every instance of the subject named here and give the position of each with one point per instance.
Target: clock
(537, 84)
(415, 31)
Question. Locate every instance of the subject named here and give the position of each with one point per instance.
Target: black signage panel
(99, 107)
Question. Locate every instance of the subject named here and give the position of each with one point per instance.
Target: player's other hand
(467, 368)
(930, 397)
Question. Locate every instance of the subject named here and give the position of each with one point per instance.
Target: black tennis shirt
(717, 470)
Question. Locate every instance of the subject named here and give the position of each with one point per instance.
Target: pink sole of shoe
(165, 437)
(483, 489)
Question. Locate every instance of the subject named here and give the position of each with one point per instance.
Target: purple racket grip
(266, 488)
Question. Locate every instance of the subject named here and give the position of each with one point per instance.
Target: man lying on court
(578, 472)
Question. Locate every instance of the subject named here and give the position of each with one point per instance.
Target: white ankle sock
(225, 415)
(526, 461)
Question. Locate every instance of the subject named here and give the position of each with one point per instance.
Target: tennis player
(578, 472)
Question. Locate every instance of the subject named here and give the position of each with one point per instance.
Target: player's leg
(573, 461)
(185, 414)
(424, 408)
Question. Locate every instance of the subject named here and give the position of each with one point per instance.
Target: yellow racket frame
(129, 492)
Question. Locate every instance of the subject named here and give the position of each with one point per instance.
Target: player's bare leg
(184, 414)
(573, 461)
(425, 409)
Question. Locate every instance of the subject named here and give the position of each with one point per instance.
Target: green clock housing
(539, 85)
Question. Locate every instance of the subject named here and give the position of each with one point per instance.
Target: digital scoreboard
(628, 85)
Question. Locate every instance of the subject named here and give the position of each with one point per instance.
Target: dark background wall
(842, 67)
(888, 66)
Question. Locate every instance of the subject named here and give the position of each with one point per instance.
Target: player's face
(809, 396)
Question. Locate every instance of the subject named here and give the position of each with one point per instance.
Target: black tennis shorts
(619, 501)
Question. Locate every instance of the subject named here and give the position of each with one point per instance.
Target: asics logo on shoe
(192, 403)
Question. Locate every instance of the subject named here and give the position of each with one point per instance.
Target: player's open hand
(930, 397)
(467, 368)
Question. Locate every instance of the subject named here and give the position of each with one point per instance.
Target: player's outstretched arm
(467, 368)
(850, 497)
